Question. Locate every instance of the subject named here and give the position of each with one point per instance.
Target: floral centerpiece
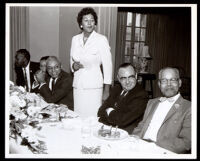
(27, 111)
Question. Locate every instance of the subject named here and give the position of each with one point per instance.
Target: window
(135, 36)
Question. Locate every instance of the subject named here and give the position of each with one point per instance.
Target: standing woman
(90, 50)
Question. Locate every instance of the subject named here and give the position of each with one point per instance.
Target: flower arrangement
(27, 111)
(23, 106)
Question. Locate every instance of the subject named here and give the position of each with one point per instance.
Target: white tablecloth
(65, 139)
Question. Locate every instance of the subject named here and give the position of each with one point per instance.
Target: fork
(116, 128)
(110, 130)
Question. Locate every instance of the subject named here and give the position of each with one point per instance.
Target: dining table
(76, 137)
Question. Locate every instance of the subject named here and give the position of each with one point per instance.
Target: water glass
(85, 131)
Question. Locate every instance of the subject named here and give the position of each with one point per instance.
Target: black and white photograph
(89, 80)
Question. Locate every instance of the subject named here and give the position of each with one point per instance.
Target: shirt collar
(176, 97)
(91, 35)
(28, 65)
(171, 99)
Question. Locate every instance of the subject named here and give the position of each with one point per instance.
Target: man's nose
(168, 82)
(127, 80)
(53, 69)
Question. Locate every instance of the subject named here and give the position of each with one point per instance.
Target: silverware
(102, 126)
(110, 130)
(116, 129)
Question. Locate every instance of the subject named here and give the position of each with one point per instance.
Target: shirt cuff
(109, 110)
(35, 85)
(41, 85)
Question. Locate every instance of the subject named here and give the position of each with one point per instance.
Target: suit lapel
(57, 81)
(173, 109)
(150, 115)
(91, 39)
(31, 73)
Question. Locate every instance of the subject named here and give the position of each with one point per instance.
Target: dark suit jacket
(34, 66)
(129, 111)
(62, 92)
(175, 131)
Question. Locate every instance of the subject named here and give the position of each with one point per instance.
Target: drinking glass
(85, 131)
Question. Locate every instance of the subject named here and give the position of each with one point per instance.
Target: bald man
(167, 120)
(58, 87)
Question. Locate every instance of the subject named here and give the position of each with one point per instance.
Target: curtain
(19, 34)
(120, 40)
(107, 22)
(169, 41)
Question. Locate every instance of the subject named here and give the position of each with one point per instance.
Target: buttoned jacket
(94, 53)
(128, 110)
(62, 93)
(175, 131)
(20, 80)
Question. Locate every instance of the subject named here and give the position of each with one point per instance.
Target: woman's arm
(106, 92)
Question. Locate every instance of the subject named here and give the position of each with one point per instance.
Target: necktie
(162, 99)
(26, 81)
(53, 83)
(122, 95)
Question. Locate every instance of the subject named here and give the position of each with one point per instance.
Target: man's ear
(158, 83)
(118, 78)
(180, 82)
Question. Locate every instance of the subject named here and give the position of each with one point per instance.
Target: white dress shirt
(51, 81)
(27, 70)
(158, 118)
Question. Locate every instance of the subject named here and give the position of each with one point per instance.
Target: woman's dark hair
(25, 53)
(86, 11)
(44, 58)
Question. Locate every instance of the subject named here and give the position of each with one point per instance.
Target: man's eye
(132, 76)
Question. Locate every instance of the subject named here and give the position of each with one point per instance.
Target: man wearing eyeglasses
(167, 119)
(127, 102)
(58, 87)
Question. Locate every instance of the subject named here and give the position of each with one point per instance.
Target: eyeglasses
(164, 81)
(132, 77)
(55, 68)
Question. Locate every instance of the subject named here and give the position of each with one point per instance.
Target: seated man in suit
(58, 87)
(167, 120)
(25, 69)
(127, 102)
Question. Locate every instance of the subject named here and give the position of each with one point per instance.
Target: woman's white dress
(88, 81)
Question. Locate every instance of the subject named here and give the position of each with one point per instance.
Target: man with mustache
(167, 120)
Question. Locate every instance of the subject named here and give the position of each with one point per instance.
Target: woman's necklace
(85, 39)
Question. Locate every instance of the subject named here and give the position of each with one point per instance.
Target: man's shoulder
(138, 90)
(34, 64)
(152, 100)
(185, 104)
(116, 87)
(66, 75)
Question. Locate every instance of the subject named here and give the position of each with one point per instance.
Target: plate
(115, 135)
